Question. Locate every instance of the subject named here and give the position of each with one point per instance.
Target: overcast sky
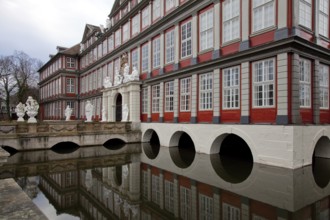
(37, 27)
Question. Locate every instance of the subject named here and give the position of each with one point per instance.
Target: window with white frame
(169, 5)
(136, 24)
(263, 83)
(118, 38)
(230, 212)
(185, 203)
(99, 51)
(206, 29)
(186, 40)
(110, 43)
(135, 59)
(257, 217)
(305, 82)
(231, 87)
(169, 196)
(231, 23)
(155, 190)
(145, 102)
(126, 31)
(185, 94)
(145, 190)
(305, 13)
(206, 91)
(205, 207)
(105, 47)
(324, 18)
(324, 86)
(156, 52)
(169, 44)
(70, 62)
(69, 85)
(169, 96)
(263, 14)
(155, 98)
(110, 70)
(155, 9)
(145, 17)
(145, 57)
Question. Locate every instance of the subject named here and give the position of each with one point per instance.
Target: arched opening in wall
(114, 144)
(118, 175)
(321, 162)
(65, 147)
(118, 107)
(151, 148)
(183, 153)
(10, 150)
(234, 162)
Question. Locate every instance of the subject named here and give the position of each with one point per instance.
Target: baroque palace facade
(232, 63)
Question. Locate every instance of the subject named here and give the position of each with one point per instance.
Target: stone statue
(104, 114)
(31, 108)
(125, 113)
(135, 74)
(67, 112)
(89, 109)
(20, 111)
(126, 73)
(107, 82)
(118, 77)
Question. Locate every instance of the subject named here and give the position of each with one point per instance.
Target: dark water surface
(149, 182)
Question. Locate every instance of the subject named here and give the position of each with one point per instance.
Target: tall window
(145, 190)
(324, 18)
(156, 52)
(70, 62)
(205, 207)
(169, 42)
(136, 24)
(205, 91)
(155, 190)
(185, 94)
(169, 5)
(305, 13)
(126, 32)
(155, 98)
(169, 196)
(186, 39)
(324, 86)
(230, 212)
(145, 17)
(70, 85)
(231, 88)
(117, 38)
(305, 83)
(231, 23)
(145, 57)
(169, 96)
(263, 14)
(135, 58)
(110, 43)
(105, 47)
(263, 83)
(185, 203)
(155, 9)
(99, 51)
(145, 102)
(206, 29)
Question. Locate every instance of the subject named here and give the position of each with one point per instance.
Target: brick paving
(15, 203)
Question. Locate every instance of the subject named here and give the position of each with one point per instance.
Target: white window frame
(231, 88)
(305, 13)
(231, 20)
(145, 57)
(118, 38)
(186, 39)
(324, 18)
(170, 4)
(324, 86)
(206, 30)
(156, 9)
(230, 212)
(155, 188)
(206, 91)
(126, 34)
(169, 96)
(155, 98)
(135, 58)
(110, 43)
(266, 18)
(136, 24)
(169, 46)
(156, 53)
(70, 85)
(169, 196)
(185, 94)
(145, 189)
(305, 74)
(70, 62)
(264, 83)
(145, 100)
(185, 203)
(145, 17)
(205, 207)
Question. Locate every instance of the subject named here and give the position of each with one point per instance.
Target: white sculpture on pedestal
(107, 82)
(104, 114)
(20, 111)
(125, 113)
(67, 112)
(89, 109)
(31, 108)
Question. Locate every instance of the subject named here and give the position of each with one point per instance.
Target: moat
(145, 181)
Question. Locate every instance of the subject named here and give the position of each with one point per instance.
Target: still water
(150, 182)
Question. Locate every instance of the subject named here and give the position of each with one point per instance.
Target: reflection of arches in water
(184, 153)
(151, 149)
(65, 147)
(10, 150)
(118, 107)
(114, 144)
(321, 162)
(118, 175)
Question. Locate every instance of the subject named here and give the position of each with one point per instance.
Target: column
(176, 101)
(216, 96)
(316, 92)
(176, 47)
(194, 33)
(282, 117)
(282, 31)
(161, 102)
(295, 18)
(149, 183)
(149, 59)
(149, 103)
(176, 196)
(194, 200)
(316, 21)
(194, 81)
(216, 29)
(162, 193)
(162, 53)
(134, 180)
(104, 103)
(245, 42)
(295, 96)
(245, 93)
(135, 93)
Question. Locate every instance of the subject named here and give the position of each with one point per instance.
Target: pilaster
(194, 33)
(176, 47)
(176, 101)
(194, 81)
(295, 97)
(245, 207)
(161, 102)
(216, 96)
(194, 200)
(216, 52)
(316, 92)
(245, 44)
(282, 89)
(245, 87)
(149, 103)
(161, 69)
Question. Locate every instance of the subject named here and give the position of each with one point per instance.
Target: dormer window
(70, 62)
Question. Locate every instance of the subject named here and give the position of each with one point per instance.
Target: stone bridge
(44, 135)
